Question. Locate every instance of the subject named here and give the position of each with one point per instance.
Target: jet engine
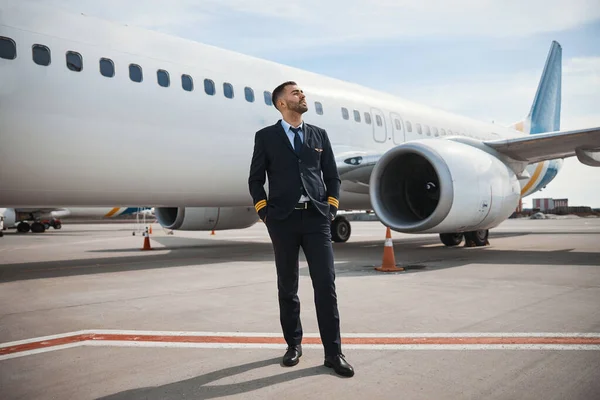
(439, 186)
(10, 217)
(206, 218)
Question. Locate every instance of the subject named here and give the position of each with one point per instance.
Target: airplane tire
(479, 238)
(23, 227)
(38, 227)
(340, 230)
(451, 239)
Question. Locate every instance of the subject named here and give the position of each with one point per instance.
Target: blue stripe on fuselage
(132, 210)
(551, 172)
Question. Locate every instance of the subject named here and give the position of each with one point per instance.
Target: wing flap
(585, 143)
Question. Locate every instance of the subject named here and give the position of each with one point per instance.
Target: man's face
(294, 99)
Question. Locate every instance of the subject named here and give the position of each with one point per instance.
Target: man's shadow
(197, 387)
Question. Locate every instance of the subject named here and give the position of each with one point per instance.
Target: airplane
(141, 117)
(38, 220)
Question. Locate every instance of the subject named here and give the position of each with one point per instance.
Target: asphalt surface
(538, 278)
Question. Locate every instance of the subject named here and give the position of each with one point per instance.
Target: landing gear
(23, 227)
(340, 229)
(38, 227)
(451, 239)
(477, 238)
(473, 239)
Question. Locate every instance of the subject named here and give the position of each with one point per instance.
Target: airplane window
(435, 131)
(107, 67)
(379, 121)
(356, 116)
(228, 90)
(135, 73)
(318, 108)
(249, 94)
(8, 48)
(408, 126)
(74, 61)
(427, 131)
(419, 131)
(398, 124)
(368, 118)
(209, 87)
(41, 54)
(268, 98)
(187, 83)
(345, 113)
(443, 131)
(163, 78)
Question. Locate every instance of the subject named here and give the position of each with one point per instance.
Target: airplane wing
(355, 165)
(583, 143)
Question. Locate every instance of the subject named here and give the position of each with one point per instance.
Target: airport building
(549, 204)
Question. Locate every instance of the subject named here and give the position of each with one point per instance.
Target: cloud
(506, 98)
(263, 25)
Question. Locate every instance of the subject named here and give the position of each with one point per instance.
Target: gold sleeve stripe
(334, 202)
(260, 205)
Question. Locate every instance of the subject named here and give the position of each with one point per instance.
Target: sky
(479, 58)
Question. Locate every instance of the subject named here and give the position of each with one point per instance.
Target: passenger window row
(424, 129)
(41, 55)
(357, 116)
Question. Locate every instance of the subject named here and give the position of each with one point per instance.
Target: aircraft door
(379, 126)
(397, 128)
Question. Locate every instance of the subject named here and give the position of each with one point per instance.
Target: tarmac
(86, 314)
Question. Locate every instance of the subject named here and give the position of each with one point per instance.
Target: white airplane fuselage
(115, 141)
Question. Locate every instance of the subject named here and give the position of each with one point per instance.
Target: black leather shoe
(292, 355)
(339, 365)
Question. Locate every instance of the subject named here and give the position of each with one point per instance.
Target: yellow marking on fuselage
(112, 212)
(536, 174)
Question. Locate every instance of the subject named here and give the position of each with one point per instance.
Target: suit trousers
(310, 230)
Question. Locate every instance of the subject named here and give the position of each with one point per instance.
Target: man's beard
(300, 108)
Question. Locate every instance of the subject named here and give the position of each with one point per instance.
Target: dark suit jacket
(315, 167)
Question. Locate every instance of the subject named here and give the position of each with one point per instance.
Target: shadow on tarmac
(354, 258)
(198, 388)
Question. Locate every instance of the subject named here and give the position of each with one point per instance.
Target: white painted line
(344, 335)
(378, 347)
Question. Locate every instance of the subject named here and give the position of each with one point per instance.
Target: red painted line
(278, 340)
(43, 344)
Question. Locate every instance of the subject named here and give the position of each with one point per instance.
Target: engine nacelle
(442, 186)
(10, 217)
(206, 218)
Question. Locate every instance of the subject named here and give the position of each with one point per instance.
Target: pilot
(298, 213)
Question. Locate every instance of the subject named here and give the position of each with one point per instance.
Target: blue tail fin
(545, 110)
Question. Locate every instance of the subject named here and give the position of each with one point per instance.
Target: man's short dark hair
(279, 90)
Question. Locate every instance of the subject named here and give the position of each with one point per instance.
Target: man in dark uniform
(304, 188)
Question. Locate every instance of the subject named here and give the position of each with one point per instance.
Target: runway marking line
(388, 341)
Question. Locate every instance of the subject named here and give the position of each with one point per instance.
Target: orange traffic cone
(212, 233)
(150, 230)
(146, 241)
(389, 261)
